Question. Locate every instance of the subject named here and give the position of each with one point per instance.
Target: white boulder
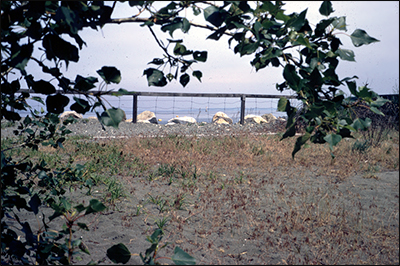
(67, 114)
(181, 120)
(221, 118)
(147, 117)
(269, 117)
(254, 119)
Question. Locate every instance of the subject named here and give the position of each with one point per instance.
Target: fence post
(242, 108)
(134, 109)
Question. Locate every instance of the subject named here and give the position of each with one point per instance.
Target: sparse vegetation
(228, 189)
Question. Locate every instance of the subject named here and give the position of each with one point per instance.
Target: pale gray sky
(130, 47)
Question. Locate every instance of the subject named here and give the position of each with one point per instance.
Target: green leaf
(197, 74)
(332, 139)
(340, 23)
(246, 48)
(112, 117)
(376, 111)
(282, 104)
(155, 77)
(290, 132)
(155, 236)
(321, 26)
(185, 25)
(200, 56)
(271, 8)
(119, 253)
(291, 77)
(304, 41)
(298, 21)
(352, 87)
(180, 49)
(83, 226)
(361, 124)
(57, 48)
(300, 142)
(55, 103)
(157, 61)
(95, 206)
(80, 106)
(110, 74)
(177, 23)
(366, 93)
(21, 57)
(85, 84)
(66, 204)
(34, 203)
(180, 257)
(214, 15)
(271, 52)
(196, 10)
(80, 208)
(345, 54)
(43, 87)
(184, 79)
(326, 8)
(281, 16)
(66, 15)
(360, 37)
(379, 102)
(84, 248)
(122, 92)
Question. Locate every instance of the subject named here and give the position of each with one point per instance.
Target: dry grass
(244, 153)
(244, 200)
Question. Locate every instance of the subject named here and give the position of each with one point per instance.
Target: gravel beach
(92, 128)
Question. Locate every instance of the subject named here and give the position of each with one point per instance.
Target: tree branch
(143, 20)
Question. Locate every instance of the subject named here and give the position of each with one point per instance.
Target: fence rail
(135, 95)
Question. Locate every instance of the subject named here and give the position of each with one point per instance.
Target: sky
(130, 47)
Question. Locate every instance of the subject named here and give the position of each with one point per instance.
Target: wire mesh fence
(202, 108)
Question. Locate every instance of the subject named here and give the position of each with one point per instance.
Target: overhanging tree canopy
(309, 56)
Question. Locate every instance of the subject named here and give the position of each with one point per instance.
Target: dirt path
(287, 216)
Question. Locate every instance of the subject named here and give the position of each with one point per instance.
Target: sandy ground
(287, 216)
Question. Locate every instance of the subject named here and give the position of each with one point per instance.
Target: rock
(254, 119)
(67, 114)
(269, 117)
(147, 117)
(92, 117)
(181, 120)
(221, 118)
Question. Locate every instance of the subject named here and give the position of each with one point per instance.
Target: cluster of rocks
(219, 118)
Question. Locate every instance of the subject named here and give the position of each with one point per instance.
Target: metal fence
(135, 95)
(242, 96)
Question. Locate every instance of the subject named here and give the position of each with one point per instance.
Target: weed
(161, 203)
(361, 146)
(114, 190)
(257, 151)
(179, 201)
(166, 170)
(161, 223)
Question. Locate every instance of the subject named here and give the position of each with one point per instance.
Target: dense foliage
(309, 56)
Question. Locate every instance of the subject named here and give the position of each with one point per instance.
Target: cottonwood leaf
(180, 257)
(119, 253)
(360, 37)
